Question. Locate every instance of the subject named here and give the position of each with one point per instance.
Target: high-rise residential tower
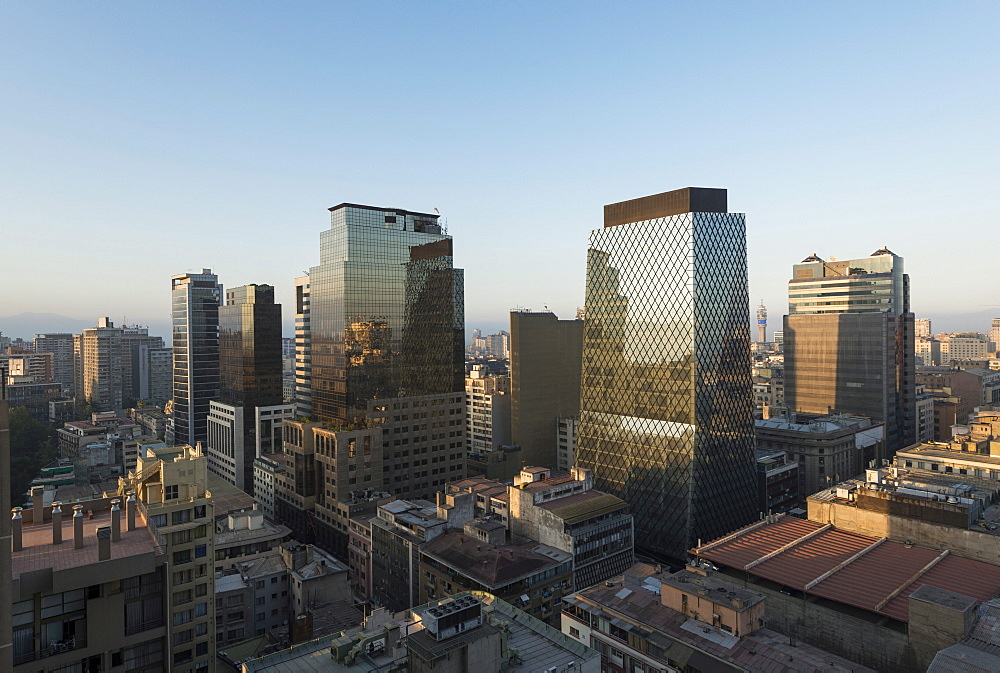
(246, 421)
(666, 408)
(195, 300)
(386, 311)
(849, 344)
(61, 347)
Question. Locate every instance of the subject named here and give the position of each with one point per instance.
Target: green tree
(32, 446)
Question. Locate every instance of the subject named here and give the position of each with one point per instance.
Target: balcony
(60, 646)
(146, 625)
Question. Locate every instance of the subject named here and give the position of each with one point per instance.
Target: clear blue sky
(144, 139)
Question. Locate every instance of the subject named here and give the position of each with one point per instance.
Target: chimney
(37, 505)
(130, 511)
(56, 523)
(15, 528)
(104, 543)
(77, 526)
(116, 521)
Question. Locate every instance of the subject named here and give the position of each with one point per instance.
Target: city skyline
(826, 124)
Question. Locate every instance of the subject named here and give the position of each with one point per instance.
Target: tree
(32, 446)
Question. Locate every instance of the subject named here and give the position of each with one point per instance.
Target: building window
(171, 492)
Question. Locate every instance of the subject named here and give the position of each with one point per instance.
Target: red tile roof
(873, 574)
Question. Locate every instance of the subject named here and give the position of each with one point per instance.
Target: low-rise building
(777, 481)
(465, 632)
(398, 533)
(245, 536)
(532, 576)
(827, 448)
(690, 620)
(886, 604)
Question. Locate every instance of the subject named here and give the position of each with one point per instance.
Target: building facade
(545, 361)
(246, 422)
(487, 411)
(61, 347)
(195, 301)
(849, 344)
(666, 410)
(385, 312)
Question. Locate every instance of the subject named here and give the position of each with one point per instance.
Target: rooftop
(873, 574)
(944, 452)
(494, 567)
(632, 604)
(579, 507)
(39, 552)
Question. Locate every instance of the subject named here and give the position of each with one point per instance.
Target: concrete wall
(976, 545)
(854, 638)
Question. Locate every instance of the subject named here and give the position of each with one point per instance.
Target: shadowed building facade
(849, 344)
(545, 358)
(666, 410)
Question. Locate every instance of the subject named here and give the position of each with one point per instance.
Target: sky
(142, 140)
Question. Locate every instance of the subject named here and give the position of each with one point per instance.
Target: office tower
(246, 421)
(922, 327)
(666, 406)
(386, 311)
(61, 347)
(195, 300)
(761, 323)
(849, 343)
(545, 358)
(303, 353)
(995, 334)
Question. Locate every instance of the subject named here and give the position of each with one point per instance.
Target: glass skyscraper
(250, 347)
(666, 410)
(195, 300)
(849, 343)
(385, 311)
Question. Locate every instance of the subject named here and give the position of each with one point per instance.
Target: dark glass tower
(195, 299)
(386, 311)
(250, 347)
(666, 410)
(849, 343)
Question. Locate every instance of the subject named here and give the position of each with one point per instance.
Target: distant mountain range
(27, 325)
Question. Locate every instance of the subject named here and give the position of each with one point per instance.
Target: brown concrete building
(827, 448)
(546, 361)
(885, 604)
(690, 620)
(531, 576)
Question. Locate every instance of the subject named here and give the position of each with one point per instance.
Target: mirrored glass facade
(386, 311)
(195, 300)
(666, 396)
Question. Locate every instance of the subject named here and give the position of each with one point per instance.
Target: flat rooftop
(39, 552)
(933, 451)
(873, 574)
(631, 603)
(491, 566)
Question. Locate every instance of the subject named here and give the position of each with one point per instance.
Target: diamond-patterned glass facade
(666, 420)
